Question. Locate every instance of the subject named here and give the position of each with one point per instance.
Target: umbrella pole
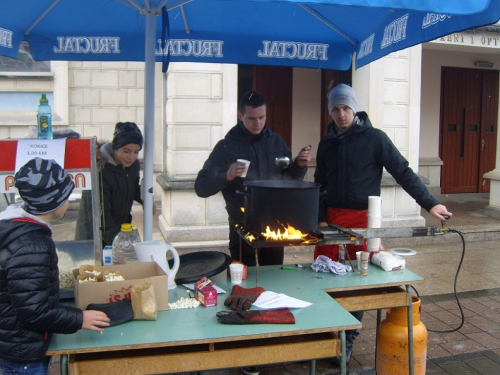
(149, 114)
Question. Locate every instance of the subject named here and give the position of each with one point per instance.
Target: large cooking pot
(279, 203)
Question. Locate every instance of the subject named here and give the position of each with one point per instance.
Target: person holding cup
(248, 152)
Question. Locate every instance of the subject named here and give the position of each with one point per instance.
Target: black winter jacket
(29, 290)
(260, 150)
(120, 188)
(349, 168)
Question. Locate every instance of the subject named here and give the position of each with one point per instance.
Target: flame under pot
(269, 203)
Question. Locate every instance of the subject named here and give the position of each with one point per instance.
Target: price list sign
(28, 149)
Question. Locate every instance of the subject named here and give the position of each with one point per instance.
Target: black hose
(454, 286)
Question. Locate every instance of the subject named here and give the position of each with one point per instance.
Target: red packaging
(205, 292)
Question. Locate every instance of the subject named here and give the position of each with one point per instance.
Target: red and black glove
(242, 298)
(279, 316)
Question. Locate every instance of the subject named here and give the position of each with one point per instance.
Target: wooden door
(468, 128)
(489, 126)
(275, 83)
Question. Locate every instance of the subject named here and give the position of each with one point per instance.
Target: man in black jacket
(252, 140)
(29, 277)
(350, 161)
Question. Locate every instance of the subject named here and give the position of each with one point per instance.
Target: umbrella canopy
(308, 33)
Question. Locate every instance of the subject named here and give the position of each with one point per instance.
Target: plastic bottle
(342, 254)
(135, 230)
(123, 249)
(44, 119)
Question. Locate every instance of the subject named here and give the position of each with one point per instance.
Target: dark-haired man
(252, 140)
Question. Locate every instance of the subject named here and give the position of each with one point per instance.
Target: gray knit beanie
(126, 133)
(43, 185)
(342, 95)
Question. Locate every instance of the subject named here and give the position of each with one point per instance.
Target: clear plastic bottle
(44, 119)
(342, 254)
(135, 230)
(123, 249)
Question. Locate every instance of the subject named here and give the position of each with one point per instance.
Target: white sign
(28, 149)
(272, 300)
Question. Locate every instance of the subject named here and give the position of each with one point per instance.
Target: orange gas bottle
(392, 342)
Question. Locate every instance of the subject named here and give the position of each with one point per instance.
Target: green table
(188, 340)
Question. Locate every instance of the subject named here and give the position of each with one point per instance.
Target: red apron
(346, 219)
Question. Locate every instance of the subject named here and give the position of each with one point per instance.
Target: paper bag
(144, 302)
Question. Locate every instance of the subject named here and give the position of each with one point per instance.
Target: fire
(289, 233)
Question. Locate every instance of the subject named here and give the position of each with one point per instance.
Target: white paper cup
(364, 263)
(236, 271)
(247, 164)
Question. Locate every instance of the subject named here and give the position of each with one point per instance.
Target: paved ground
(472, 349)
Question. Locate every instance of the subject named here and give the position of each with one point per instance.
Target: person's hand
(322, 224)
(439, 210)
(304, 157)
(94, 320)
(235, 170)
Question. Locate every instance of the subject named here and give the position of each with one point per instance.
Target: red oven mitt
(279, 316)
(242, 298)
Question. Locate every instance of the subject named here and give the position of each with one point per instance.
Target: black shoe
(348, 355)
(252, 370)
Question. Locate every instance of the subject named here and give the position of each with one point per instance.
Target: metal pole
(149, 122)
(410, 329)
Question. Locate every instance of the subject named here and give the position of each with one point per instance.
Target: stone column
(389, 91)
(200, 109)
(493, 209)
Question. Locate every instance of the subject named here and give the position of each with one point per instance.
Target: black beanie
(126, 133)
(43, 185)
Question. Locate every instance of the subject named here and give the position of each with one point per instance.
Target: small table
(187, 340)
(376, 291)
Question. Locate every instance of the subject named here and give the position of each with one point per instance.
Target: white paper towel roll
(374, 220)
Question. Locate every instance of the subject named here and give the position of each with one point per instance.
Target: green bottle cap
(44, 99)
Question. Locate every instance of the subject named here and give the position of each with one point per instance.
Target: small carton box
(205, 292)
(112, 291)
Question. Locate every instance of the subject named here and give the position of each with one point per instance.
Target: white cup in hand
(247, 164)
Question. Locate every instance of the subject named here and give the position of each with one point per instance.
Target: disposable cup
(364, 263)
(236, 271)
(247, 164)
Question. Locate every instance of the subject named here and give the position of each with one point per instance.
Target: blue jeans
(17, 368)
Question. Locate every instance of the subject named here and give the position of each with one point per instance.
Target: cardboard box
(205, 292)
(111, 291)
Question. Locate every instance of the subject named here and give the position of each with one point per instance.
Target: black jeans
(351, 334)
(267, 255)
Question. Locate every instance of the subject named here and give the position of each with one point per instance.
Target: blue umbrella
(321, 34)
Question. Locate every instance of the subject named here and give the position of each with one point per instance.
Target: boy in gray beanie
(349, 165)
(29, 277)
(342, 94)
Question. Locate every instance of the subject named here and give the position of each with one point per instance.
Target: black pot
(278, 204)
